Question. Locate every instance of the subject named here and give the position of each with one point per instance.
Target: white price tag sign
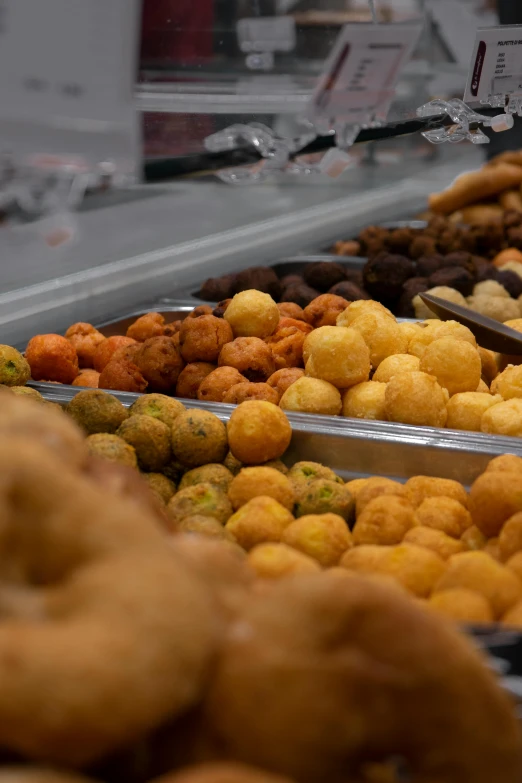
(266, 34)
(358, 83)
(496, 64)
(67, 76)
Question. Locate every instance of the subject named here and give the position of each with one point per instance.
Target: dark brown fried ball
(251, 391)
(200, 310)
(215, 772)
(322, 275)
(85, 339)
(422, 246)
(428, 265)
(214, 387)
(484, 269)
(399, 240)
(97, 411)
(514, 237)
(460, 258)
(511, 282)
(160, 363)
(261, 278)
(106, 349)
(373, 237)
(146, 326)
(282, 379)
(217, 288)
(52, 357)
(291, 310)
(250, 356)
(198, 438)
(221, 308)
(291, 280)
(385, 275)
(120, 375)
(299, 293)
(191, 377)
(412, 287)
(350, 291)
(287, 347)
(201, 339)
(456, 277)
(324, 310)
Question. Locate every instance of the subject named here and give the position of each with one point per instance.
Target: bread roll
(476, 186)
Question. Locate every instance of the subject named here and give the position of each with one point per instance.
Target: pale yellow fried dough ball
(252, 482)
(443, 545)
(416, 568)
(410, 330)
(508, 383)
(382, 336)
(275, 561)
(483, 388)
(339, 356)
(258, 431)
(510, 537)
(474, 538)
(311, 395)
(515, 565)
(496, 307)
(507, 463)
(393, 365)
(465, 410)
(494, 497)
(490, 288)
(418, 488)
(259, 521)
(446, 514)
(361, 307)
(479, 572)
(462, 605)
(355, 485)
(252, 314)
(505, 418)
(455, 364)
(323, 537)
(512, 266)
(365, 401)
(442, 292)
(493, 549)
(436, 330)
(416, 398)
(489, 365)
(385, 520)
(374, 487)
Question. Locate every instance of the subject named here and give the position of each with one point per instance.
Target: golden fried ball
(355, 485)
(374, 487)
(416, 568)
(416, 398)
(462, 605)
(446, 514)
(422, 311)
(204, 526)
(493, 549)
(201, 500)
(505, 418)
(252, 482)
(455, 364)
(436, 330)
(490, 288)
(87, 379)
(393, 365)
(515, 565)
(213, 473)
(147, 326)
(362, 307)
(513, 618)
(474, 538)
(312, 395)
(160, 406)
(482, 387)
(281, 380)
(385, 520)
(338, 355)
(14, 368)
(479, 572)
(465, 410)
(510, 537)
(259, 521)
(507, 463)
(323, 537)
(365, 401)
(258, 431)
(382, 336)
(252, 314)
(162, 487)
(489, 365)
(275, 561)
(443, 545)
(508, 383)
(496, 307)
(112, 448)
(418, 488)
(199, 437)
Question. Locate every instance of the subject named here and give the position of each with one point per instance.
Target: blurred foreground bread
(476, 186)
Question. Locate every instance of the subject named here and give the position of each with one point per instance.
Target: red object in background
(177, 31)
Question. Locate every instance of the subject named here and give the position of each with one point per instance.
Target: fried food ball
(505, 418)
(419, 488)
(162, 487)
(151, 439)
(201, 339)
(112, 448)
(85, 339)
(490, 288)
(382, 336)
(393, 365)
(28, 774)
(416, 398)
(252, 482)
(323, 496)
(250, 356)
(483, 388)
(261, 520)
(299, 293)
(428, 537)
(281, 380)
(312, 395)
(87, 379)
(208, 527)
(444, 513)
(515, 565)
(493, 549)
(291, 310)
(462, 605)
(465, 410)
(14, 369)
(302, 473)
(339, 356)
(51, 358)
(215, 772)
(496, 307)
(160, 406)
(324, 310)
(362, 307)
(418, 569)
(198, 438)
(216, 474)
(159, 360)
(202, 500)
(191, 377)
(122, 375)
(260, 278)
(473, 538)
(286, 345)
(365, 401)
(97, 411)
(355, 485)
(479, 572)
(147, 326)
(436, 330)
(495, 496)
(107, 348)
(384, 520)
(513, 618)
(510, 537)
(489, 365)
(275, 561)
(508, 463)
(384, 276)
(276, 464)
(323, 537)
(216, 384)
(324, 274)
(374, 487)
(252, 314)
(508, 383)
(369, 672)
(422, 311)
(26, 391)
(232, 464)
(455, 364)
(258, 431)
(250, 391)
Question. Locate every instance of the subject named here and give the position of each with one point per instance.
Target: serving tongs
(489, 333)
